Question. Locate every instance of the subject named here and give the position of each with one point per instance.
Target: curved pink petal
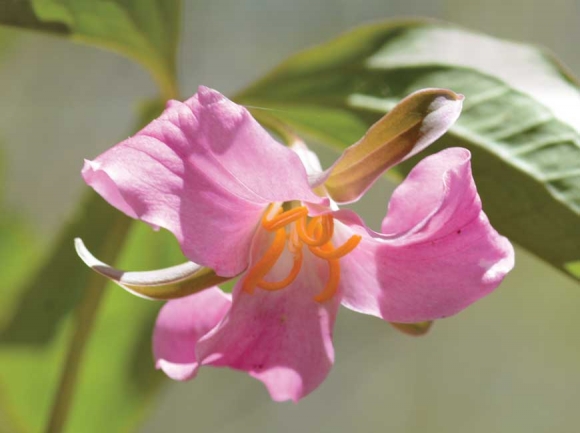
(282, 338)
(180, 324)
(442, 254)
(205, 170)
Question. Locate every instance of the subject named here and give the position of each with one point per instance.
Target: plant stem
(84, 319)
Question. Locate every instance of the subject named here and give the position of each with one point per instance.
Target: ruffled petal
(282, 338)
(205, 170)
(180, 324)
(441, 253)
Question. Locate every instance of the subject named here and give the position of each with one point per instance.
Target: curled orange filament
(282, 219)
(272, 286)
(339, 252)
(326, 224)
(332, 283)
(316, 234)
(269, 259)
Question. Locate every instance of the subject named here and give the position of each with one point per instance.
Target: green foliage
(35, 337)
(112, 390)
(144, 30)
(525, 151)
(519, 119)
(21, 14)
(55, 289)
(117, 377)
(34, 341)
(19, 250)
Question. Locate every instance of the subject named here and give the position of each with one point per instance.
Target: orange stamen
(328, 226)
(317, 234)
(282, 219)
(268, 260)
(272, 286)
(326, 222)
(339, 252)
(332, 283)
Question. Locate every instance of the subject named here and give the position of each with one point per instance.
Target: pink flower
(243, 204)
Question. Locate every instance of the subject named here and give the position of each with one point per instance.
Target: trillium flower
(243, 205)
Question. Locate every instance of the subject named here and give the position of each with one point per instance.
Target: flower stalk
(84, 319)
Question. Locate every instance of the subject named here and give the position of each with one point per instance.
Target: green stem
(84, 319)
(85, 315)
(86, 312)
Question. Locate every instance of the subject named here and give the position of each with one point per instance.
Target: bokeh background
(510, 363)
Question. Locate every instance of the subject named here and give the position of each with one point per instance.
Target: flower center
(315, 233)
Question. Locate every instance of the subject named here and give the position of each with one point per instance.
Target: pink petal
(282, 338)
(205, 170)
(180, 324)
(441, 253)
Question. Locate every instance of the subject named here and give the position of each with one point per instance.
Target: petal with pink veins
(205, 170)
(438, 252)
(180, 324)
(282, 338)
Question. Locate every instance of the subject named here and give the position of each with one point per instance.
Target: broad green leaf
(520, 118)
(144, 30)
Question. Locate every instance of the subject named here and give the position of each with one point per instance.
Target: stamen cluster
(316, 233)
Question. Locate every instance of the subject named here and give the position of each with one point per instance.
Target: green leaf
(144, 30)
(21, 14)
(520, 118)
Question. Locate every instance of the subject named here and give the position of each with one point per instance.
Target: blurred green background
(510, 363)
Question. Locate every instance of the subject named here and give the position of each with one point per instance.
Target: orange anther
(268, 260)
(267, 285)
(282, 219)
(339, 252)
